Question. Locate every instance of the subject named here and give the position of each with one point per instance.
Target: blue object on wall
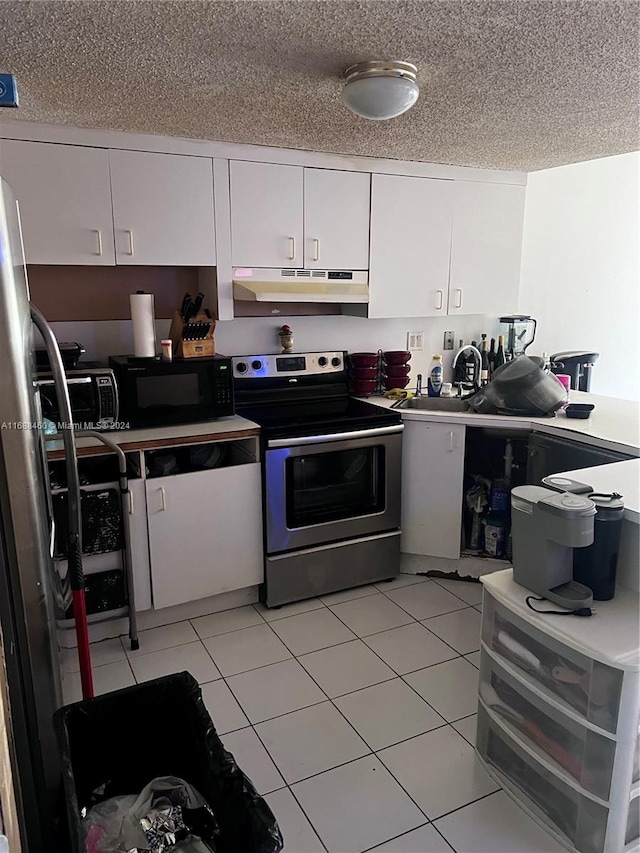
(8, 91)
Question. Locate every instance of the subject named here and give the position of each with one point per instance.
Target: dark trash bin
(124, 739)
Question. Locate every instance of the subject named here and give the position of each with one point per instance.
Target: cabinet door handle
(458, 303)
(316, 250)
(163, 500)
(98, 234)
(439, 300)
(130, 494)
(292, 248)
(130, 236)
(451, 441)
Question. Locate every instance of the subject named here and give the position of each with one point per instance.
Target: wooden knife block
(185, 348)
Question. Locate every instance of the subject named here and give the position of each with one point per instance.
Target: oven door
(83, 395)
(325, 488)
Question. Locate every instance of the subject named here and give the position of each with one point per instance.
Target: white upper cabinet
(486, 248)
(410, 246)
(65, 201)
(162, 209)
(266, 215)
(336, 219)
(293, 217)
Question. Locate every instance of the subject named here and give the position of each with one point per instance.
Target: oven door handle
(335, 436)
(76, 380)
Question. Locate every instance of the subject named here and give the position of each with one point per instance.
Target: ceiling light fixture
(380, 90)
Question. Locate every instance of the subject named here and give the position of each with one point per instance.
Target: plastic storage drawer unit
(588, 686)
(564, 809)
(579, 752)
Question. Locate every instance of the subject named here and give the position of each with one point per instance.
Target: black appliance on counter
(93, 394)
(331, 475)
(154, 392)
(577, 364)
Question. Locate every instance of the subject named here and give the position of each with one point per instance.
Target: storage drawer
(581, 820)
(576, 750)
(590, 687)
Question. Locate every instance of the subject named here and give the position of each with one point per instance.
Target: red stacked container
(364, 373)
(395, 368)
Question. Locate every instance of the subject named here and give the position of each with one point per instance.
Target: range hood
(278, 285)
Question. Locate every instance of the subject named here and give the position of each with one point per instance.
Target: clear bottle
(434, 383)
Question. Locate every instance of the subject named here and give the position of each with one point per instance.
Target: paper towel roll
(144, 324)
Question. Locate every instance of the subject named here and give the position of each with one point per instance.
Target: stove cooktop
(289, 420)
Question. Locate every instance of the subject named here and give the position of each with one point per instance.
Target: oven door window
(82, 396)
(333, 485)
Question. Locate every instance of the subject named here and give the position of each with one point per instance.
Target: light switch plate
(415, 341)
(448, 341)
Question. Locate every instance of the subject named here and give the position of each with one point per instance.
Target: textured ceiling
(524, 84)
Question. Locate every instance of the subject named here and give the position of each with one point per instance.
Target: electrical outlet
(415, 341)
(448, 340)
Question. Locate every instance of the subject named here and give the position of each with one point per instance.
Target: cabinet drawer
(581, 821)
(576, 750)
(589, 687)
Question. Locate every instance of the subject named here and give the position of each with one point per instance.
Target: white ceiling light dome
(380, 89)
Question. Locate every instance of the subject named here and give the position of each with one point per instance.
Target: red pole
(82, 633)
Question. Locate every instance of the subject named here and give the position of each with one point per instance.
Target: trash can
(117, 743)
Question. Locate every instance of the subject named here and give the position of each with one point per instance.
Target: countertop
(233, 427)
(610, 636)
(614, 424)
(621, 477)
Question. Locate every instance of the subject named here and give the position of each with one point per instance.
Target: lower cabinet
(432, 474)
(205, 533)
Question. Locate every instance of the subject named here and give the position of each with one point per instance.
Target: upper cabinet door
(65, 201)
(336, 219)
(266, 214)
(162, 209)
(486, 248)
(410, 246)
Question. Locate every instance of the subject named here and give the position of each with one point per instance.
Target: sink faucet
(419, 385)
(477, 365)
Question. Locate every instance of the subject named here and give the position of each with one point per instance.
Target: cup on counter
(565, 380)
(167, 350)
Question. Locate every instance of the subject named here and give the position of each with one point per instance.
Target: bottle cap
(437, 357)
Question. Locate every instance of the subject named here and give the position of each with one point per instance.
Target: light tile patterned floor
(354, 715)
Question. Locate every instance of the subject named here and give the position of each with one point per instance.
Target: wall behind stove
(259, 335)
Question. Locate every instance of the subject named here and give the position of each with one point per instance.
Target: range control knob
(241, 367)
(322, 361)
(335, 361)
(255, 364)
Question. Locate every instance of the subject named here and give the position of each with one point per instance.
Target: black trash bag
(117, 743)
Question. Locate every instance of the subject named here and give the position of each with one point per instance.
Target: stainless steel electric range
(331, 475)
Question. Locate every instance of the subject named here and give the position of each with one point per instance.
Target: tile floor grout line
(454, 580)
(301, 807)
(277, 716)
(428, 617)
(462, 654)
(446, 840)
(320, 772)
(396, 837)
(477, 800)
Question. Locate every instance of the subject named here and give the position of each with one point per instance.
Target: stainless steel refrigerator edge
(27, 632)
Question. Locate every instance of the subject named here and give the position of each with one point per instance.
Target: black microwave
(155, 393)
(93, 395)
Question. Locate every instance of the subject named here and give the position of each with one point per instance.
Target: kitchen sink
(437, 404)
